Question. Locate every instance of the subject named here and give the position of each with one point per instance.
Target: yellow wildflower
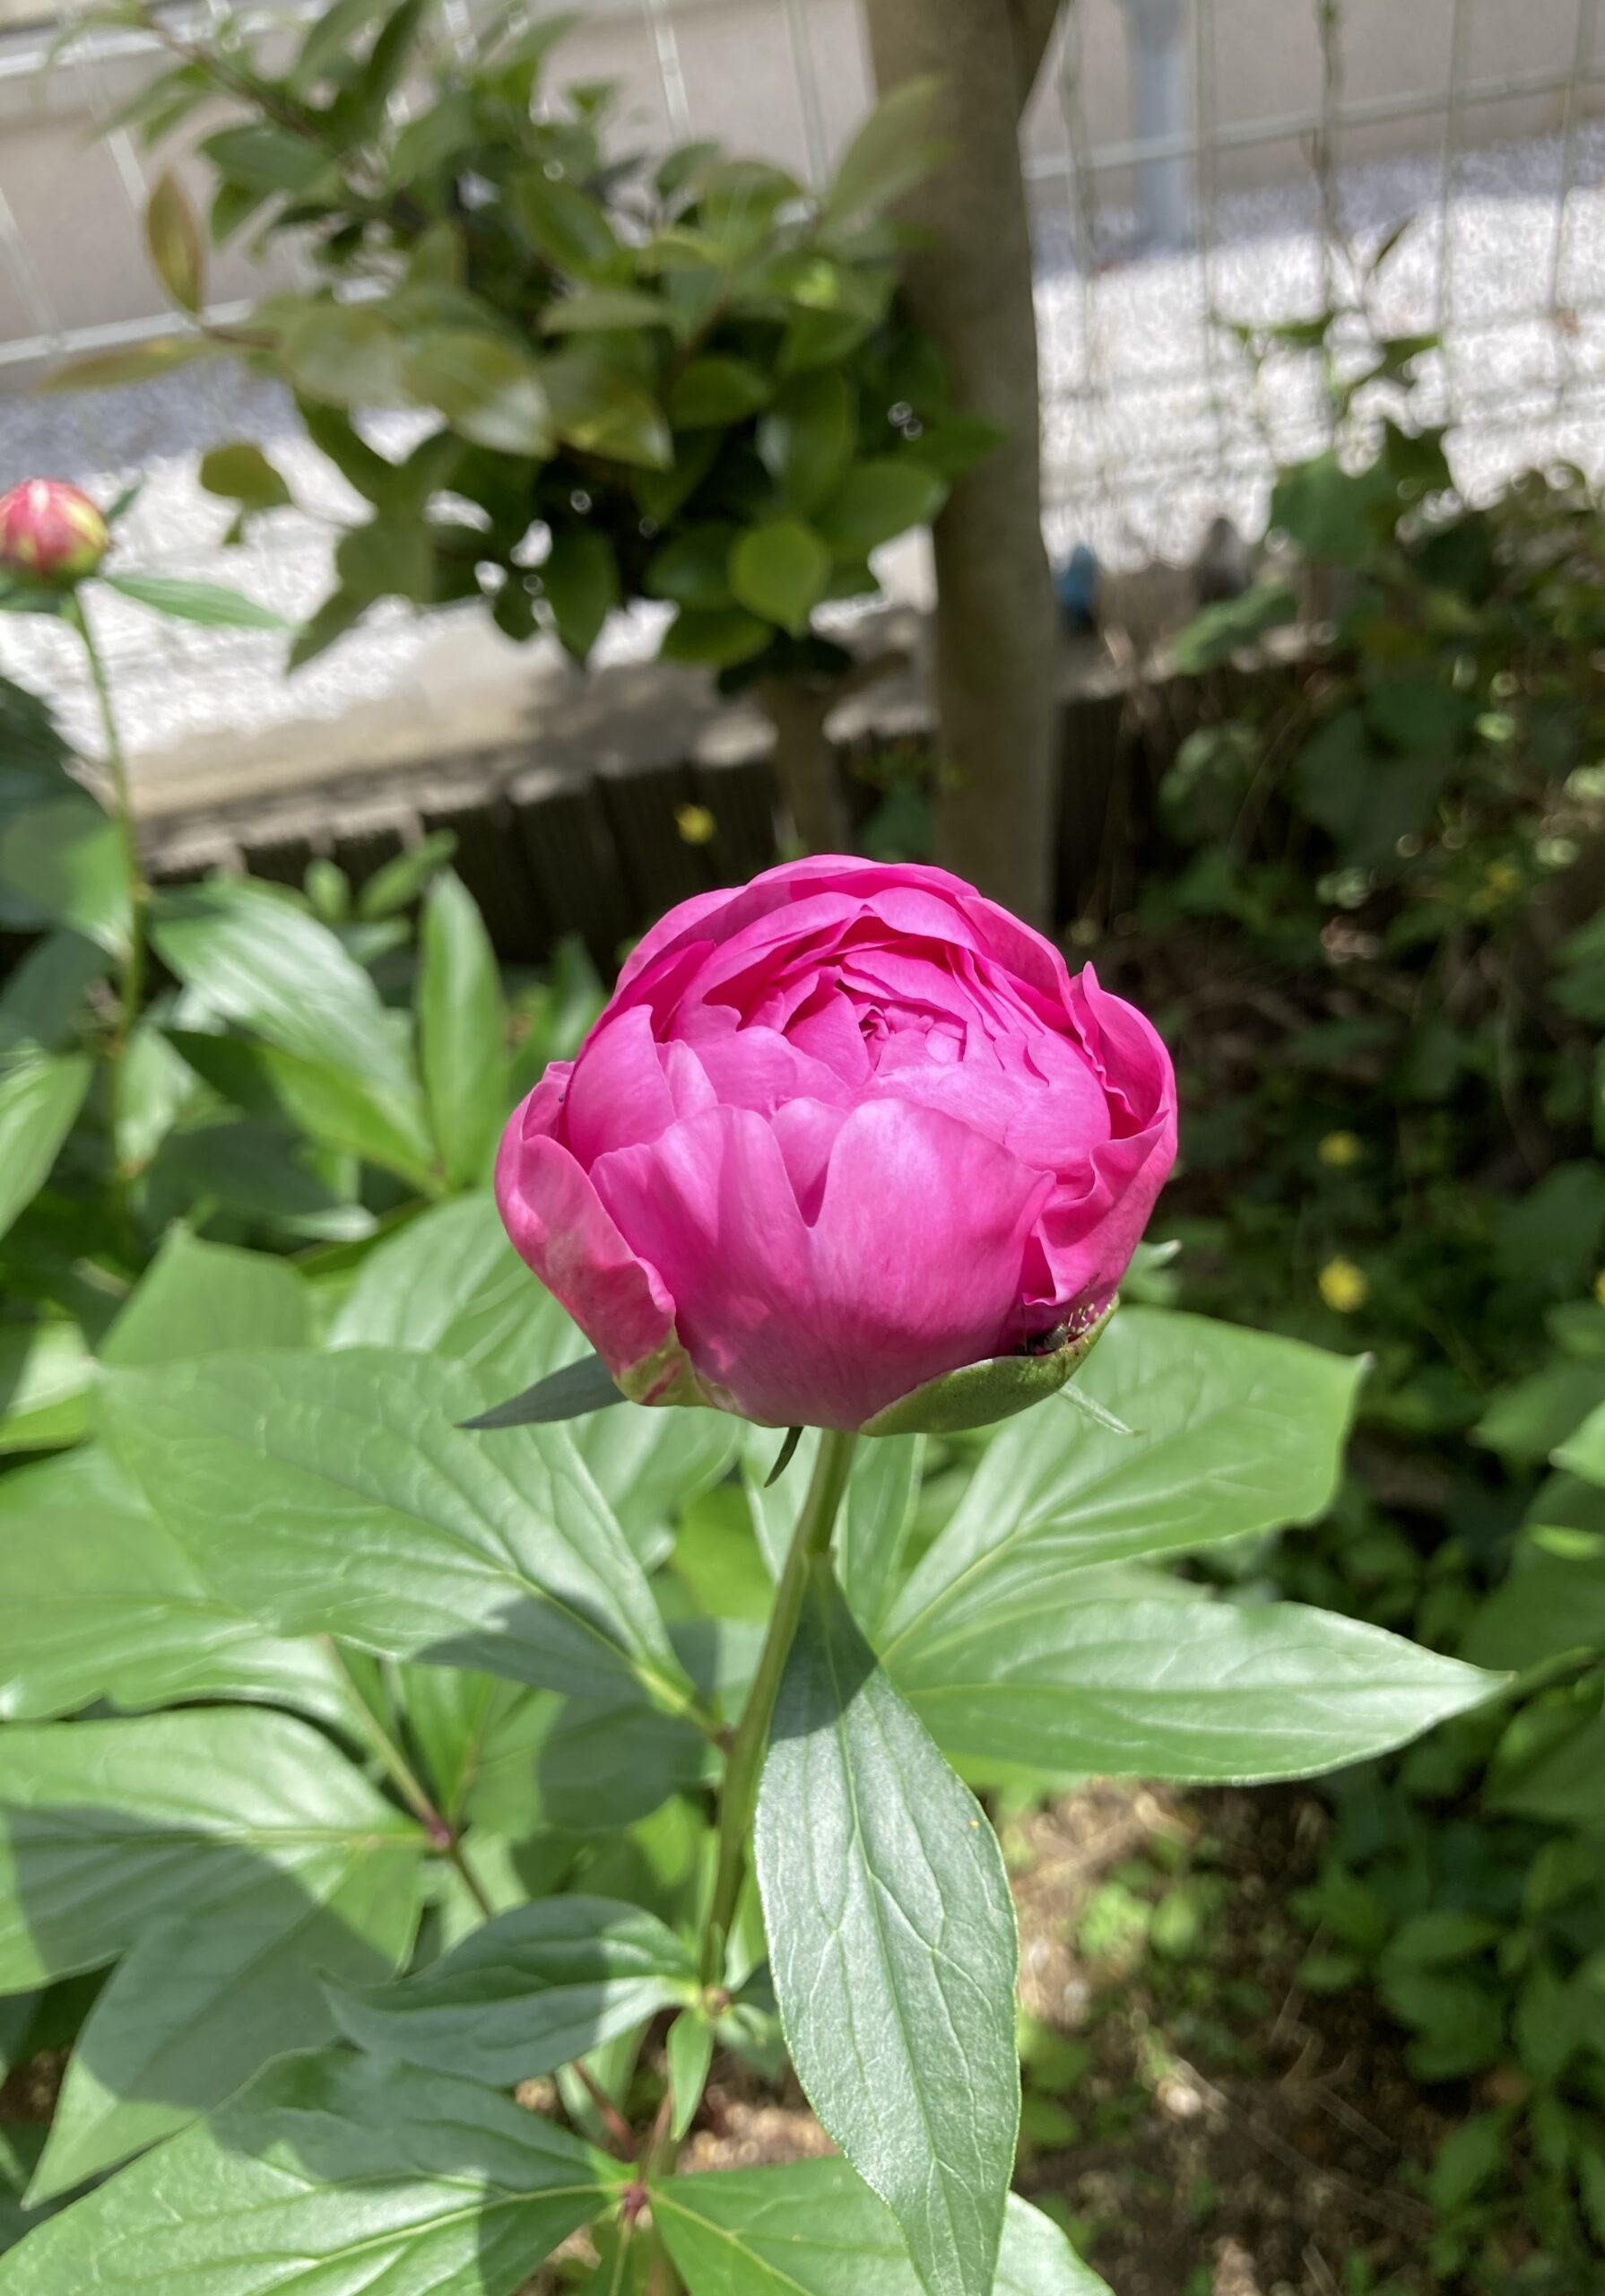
(1339, 1150)
(697, 825)
(1343, 1286)
(694, 824)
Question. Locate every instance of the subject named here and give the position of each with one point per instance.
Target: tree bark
(996, 624)
(805, 766)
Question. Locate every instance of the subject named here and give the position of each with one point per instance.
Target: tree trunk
(805, 765)
(997, 615)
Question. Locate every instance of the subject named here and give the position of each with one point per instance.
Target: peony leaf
(892, 1944)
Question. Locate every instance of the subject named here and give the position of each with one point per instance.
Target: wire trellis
(1152, 424)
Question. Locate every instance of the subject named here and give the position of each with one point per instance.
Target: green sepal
(995, 1388)
(568, 1393)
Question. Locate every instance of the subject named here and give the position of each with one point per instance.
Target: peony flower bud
(51, 531)
(840, 1135)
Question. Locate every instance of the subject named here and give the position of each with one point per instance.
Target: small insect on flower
(51, 531)
(1343, 1286)
(1339, 1150)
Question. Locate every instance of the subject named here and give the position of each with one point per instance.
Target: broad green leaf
(1233, 1430)
(264, 962)
(1223, 628)
(177, 242)
(449, 1712)
(450, 1284)
(41, 1095)
(1583, 1453)
(332, 2174)
(1560, 1783)
(1196, 1691)
(462, 1031)
(563, 224)
(260, 156)
(600, 409)
(330, 37)
(689, 2049)
(1526, 1422)
(649, 1463)
(64, 858)
(721, 637)
(595, 310)
(44, 993)
(387, 557)
(874, 1520)
(580, 580)
(776, 1500)
(379, 1119)
(406, 877)
(98, 1602)
(692, 569)
(814, 2229)
(1548, 1604)
(207, 602)
(715, 390)
(890, 153)
(203, 2002)
(873, 1533)
(493, 1551)
(877, 500)
(892, 1944)
(530, 1990)
(155, 1087)
(575, 1765)
(143, 362)
(198, 1299)
(45, 1371)
(780, 570)
(262, 1174)
(106, 1828)
(489, 389)
(806, 440)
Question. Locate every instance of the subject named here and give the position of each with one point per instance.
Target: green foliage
(1379, 874)
(358, 1767)
(871, 1855)
(622, 359)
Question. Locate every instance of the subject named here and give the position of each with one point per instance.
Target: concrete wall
(75, 257)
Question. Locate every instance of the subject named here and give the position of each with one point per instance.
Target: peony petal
(1092, 1224)
(911, 1268)
(805, 1131)
(560, 1229)
(759, 1069)
(619, 1094)
(1127, 1050)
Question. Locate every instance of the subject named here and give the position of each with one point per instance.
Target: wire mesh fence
(1485, 141)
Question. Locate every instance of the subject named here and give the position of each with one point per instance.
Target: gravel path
(1152, 427)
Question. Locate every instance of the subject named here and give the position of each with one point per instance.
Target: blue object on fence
(1076, 584)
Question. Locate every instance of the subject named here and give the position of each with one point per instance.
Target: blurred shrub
(689, 381)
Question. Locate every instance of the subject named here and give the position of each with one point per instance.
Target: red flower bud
(52, 531)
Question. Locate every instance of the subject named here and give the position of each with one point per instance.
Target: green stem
(738, 1798)
(132, 972)
(382, 1742)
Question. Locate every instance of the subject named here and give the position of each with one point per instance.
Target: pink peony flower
(839, 1132)
(52, 531)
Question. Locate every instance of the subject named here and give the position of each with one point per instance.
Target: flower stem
(738, 1798)
(132, 972)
